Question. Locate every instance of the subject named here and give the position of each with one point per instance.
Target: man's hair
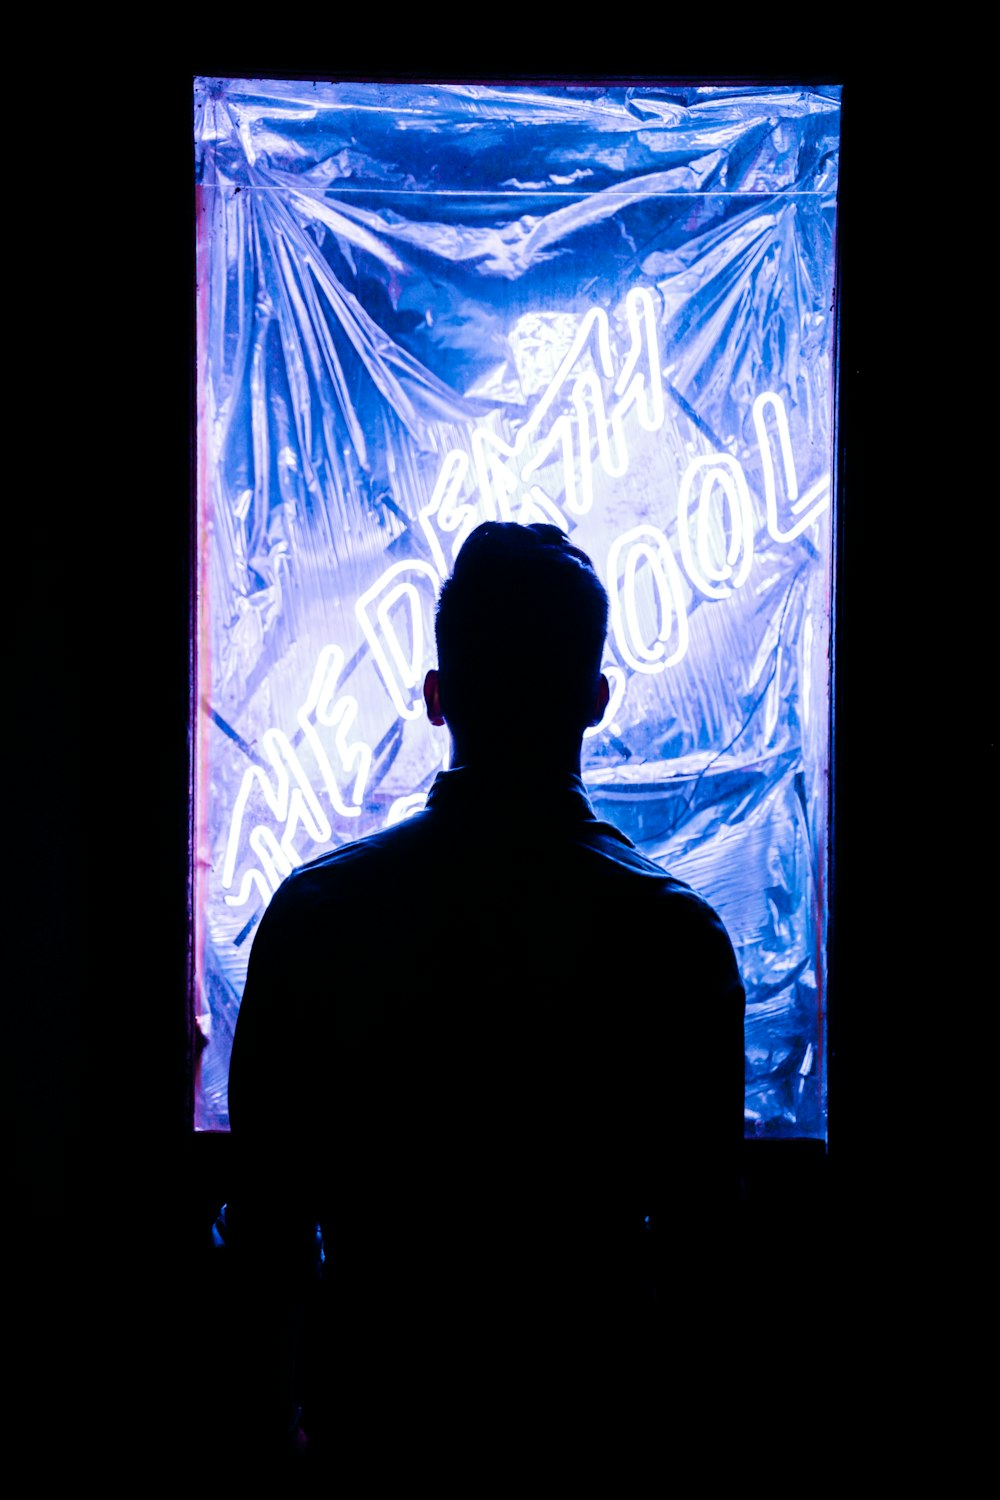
(523, 608)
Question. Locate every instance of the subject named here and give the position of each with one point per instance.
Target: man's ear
(601, 701)
(432, 697)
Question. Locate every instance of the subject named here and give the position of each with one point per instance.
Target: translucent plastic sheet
(613, 309)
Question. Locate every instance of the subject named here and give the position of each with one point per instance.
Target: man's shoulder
(633, 882)
(588, 865)
(621, 858)
(359, 859)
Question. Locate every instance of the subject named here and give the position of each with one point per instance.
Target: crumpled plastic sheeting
(612, 308)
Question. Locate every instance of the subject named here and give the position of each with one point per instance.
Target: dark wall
(100, 1034)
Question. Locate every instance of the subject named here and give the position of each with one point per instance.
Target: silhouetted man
(494, 1052)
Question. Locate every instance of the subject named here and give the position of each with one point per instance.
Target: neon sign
(715, 526)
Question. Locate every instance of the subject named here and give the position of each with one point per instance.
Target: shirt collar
(549, 796)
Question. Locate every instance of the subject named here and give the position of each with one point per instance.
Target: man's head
(520, 629)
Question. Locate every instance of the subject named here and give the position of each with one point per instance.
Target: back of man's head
(520, 630)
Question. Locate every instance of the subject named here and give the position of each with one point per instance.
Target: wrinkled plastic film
(610, 309)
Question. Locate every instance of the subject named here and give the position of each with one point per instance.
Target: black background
(113, 1192)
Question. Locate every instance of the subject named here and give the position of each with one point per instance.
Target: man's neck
(541, 762)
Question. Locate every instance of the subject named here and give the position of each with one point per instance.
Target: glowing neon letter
(714, 579)
(646, 544)
(630, 385)
(401, 669)
(815, 500)
(339, 715)
(506, 471)
(450, 514)
(294, 805)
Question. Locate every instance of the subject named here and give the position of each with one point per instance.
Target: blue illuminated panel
(612, 309)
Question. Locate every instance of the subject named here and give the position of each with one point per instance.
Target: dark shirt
(497, 1054)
